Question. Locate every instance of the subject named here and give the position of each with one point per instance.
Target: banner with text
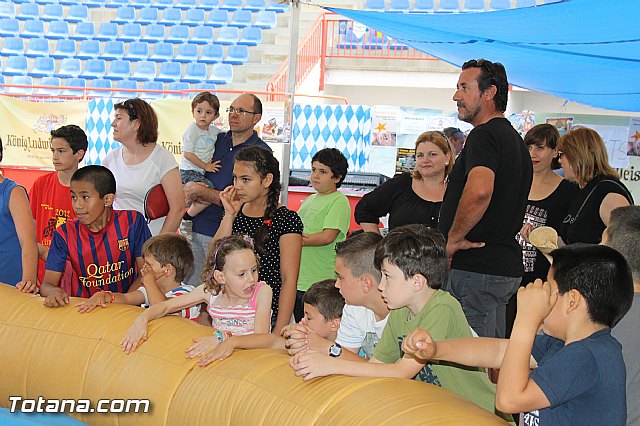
(26, 127)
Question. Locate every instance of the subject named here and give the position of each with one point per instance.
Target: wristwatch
(335, 350)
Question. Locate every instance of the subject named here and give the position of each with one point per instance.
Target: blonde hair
(586, 152)
(217, 258)
(439, 140)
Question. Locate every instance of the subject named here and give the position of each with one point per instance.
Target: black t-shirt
(549, 211)
(397, 198)
(497, 146)
(583, 223)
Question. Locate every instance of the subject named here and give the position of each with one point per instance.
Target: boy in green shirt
(413, 266)
(326, 216)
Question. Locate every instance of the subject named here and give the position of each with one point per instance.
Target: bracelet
(222, 335)
(110, 293)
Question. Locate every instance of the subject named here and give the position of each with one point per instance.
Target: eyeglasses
(232, 110)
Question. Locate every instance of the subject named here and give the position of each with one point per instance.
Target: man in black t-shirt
(485, 200)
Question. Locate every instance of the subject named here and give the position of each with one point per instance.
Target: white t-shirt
(359, 329)
(201, 142)
(133, 182)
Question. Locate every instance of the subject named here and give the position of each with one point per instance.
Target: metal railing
(332, 36)
(36, 93)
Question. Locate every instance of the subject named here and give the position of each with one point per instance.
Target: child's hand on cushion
(201, 346)
(57, 299)
(27, 286)
(309, 365)
(136, 333)
(101, 299)
(221, 352)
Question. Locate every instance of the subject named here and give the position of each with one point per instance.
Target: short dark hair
(257, 104)
(326, 298)
(544, 135)
(415, 249)
(208, 97)
(74, 135)
(491, 74)
(335, 160)
(140, 110)
(172, 249)
(600, 274)
(357, 254)
(623, 234)
(101, 177)
(450, 131)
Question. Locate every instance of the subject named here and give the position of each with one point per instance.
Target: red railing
(309, 53)
(332, 36)
(35, 93)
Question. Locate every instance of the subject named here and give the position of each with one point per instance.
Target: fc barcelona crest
(123, 244)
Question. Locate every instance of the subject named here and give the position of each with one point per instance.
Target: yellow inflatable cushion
(61, 354)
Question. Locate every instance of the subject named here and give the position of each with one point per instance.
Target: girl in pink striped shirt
(237, 302)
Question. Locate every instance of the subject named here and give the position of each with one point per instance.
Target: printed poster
(522, 121)
(271, 126)
(405, 160)
(563, 124)
(384, 121)
(26, 127)
(633, 140)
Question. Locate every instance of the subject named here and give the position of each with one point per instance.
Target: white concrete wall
(433, 90)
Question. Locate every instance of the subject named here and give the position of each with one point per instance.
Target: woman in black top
(549, 198)
(548, 202)
(583, 156)
(411, 198)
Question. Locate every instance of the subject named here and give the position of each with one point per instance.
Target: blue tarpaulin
(586, 51)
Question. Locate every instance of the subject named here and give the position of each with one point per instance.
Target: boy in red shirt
(49, 196)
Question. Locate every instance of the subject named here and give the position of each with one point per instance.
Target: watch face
(335, 351)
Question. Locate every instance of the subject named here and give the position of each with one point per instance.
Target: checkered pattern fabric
(99, 131)
(345, 127)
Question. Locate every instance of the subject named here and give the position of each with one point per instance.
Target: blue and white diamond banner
(344, 127)
(99, 130)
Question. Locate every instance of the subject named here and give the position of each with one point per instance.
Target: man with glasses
(244, 114)
(485, 200)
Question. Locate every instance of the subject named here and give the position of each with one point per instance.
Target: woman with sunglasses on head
(583, 155)
(411, 197)
(142, 164)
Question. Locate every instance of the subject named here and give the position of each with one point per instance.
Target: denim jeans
(200, 247)
(483, 298)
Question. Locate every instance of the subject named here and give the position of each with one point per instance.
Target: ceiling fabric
(586, 51)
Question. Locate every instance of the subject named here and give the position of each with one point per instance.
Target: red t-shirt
(50, 207)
